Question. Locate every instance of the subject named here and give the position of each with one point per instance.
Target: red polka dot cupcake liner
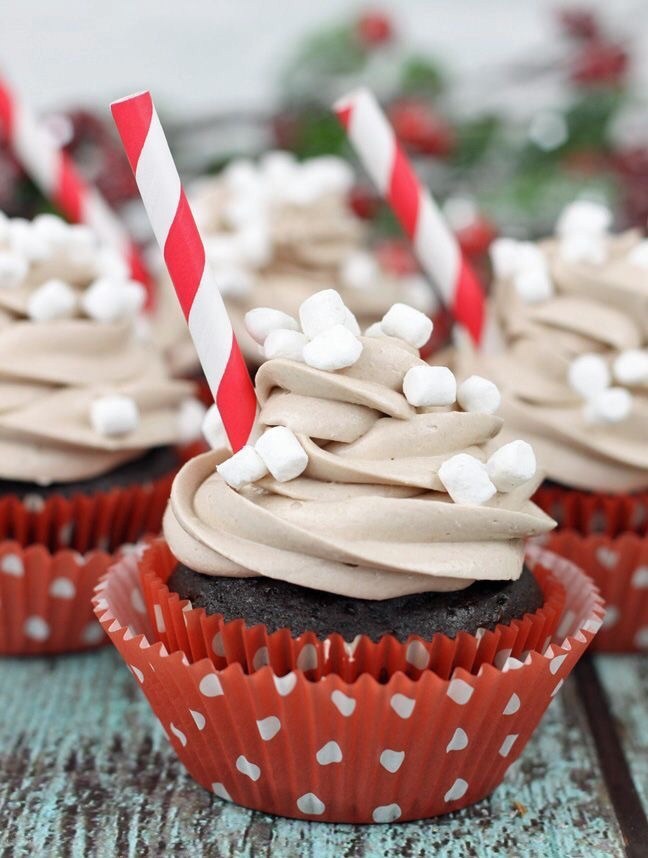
(46, 600)
(329, 749)
(180, 627)
(595, 512)
(619, 568)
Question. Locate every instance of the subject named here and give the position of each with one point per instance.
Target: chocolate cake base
(151, 466)
(276, 605)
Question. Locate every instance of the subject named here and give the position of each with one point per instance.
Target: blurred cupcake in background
(573, 371)
(276, 231)
(92, 428)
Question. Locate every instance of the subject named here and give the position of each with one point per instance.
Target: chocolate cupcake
(573, 371)
(275, 232)
(91, 425)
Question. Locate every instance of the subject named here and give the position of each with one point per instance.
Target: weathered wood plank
(85, 770)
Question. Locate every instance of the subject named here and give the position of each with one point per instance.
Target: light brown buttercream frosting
(52, 371)
(369, 517)
(599, 309)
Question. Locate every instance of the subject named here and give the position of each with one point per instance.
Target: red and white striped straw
(53, 171)
(184, 253)
(434, 243)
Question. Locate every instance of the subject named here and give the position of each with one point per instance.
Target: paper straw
(435, 245)
(54, 173)
(184, 253)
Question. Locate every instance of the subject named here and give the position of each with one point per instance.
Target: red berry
(476, 238)
(418, 126)
(579, 23)
(600, 63)
(363, 202)
(374, 28)
(395, 256)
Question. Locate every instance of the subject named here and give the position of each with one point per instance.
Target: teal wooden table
(86, 771)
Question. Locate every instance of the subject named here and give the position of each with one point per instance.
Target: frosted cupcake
(90, 421)
(573, 311)
(340, 627)
(275, 232)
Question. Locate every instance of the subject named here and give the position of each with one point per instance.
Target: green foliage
(420, 76)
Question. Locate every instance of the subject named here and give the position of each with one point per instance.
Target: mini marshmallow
(51, 229)
(418, 293)
(609, 406)
(351, 323)
(335, 348)
(511, 466)
(240, 174)
(13, 269)
(282, 453)
(110, 263)
(466, 480)
(533, 285)
(359, 270)
(114, 415)
(109, 300)
(277, 169)
(255, 244)
(631, 367)
(429, 385)
(583, 247)
(584, 216)
(25, 241)
(190, 420)
(321, 311)
(55, 299)
(245, 208)
(285, 344)
(407, 323)
(262, 320)
(638, 256)
(4, 228)
(232, 281)
(478, 394)
(223, 250)
(504, 257)
(588, 375)
(244, 467)
(81, 245)
(213, 430)
(374, 330)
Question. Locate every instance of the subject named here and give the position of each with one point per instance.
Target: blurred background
(510, 109)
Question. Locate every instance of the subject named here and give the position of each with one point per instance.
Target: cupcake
(573, 371)
(340, 624)
(90, 427)
(275, 232)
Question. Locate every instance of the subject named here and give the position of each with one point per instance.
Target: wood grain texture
(86, 771)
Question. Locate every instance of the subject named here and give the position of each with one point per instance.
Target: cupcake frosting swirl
(369, 517)
(57, 359)
(595, 308)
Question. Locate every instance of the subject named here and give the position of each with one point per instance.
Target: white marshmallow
(240, 174)
(55, 299)
(588, 375)
(277, 169)
(244, 467)
(335, 348)
(114, 415)
(190, 420)
(4, 228)
(283, 343)
(351, 323)
(111, 264)
(245, 208)
(51, 229)
(262, 320)
(359, 270)
(504, 257)
(13, 269)
(418, 293)
(533, 285)
(407, 323)
(81, 246)
(638, 256)
(255, 244)
(282, 453)
(374, 330)
(583, 247)
(631, 367)
(25, 240)
(222, 250)
(232, 281)
(584, 216)
(213, 430)
(109, 300)
(479, 394)
(321, 311)
(466, 480)
(609, 406)
(511, 465)
(429, 385)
